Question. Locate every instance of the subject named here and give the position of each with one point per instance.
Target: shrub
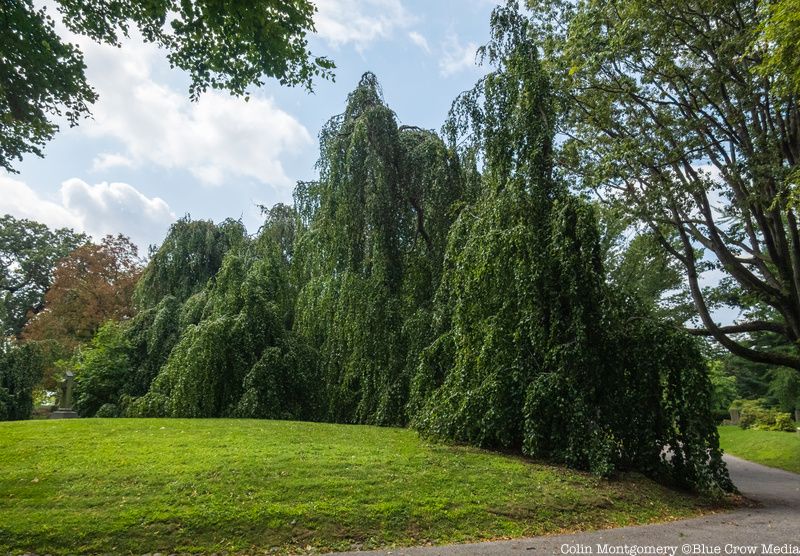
(102, 369)
(107, 410)
(754, 415)
(784, 422)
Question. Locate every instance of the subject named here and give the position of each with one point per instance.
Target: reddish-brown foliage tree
(91, 285)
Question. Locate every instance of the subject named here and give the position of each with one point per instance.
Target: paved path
(776, 521)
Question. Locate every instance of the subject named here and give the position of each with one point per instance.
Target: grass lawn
(156, 485)
(772, 448)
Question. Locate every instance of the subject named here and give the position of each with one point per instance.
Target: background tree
(172, 294)
(667, 116)
(29, 252)
(779, 41)
(777, 387)
(92, 285)
(724, 387)
(281, 223)
(103, 371)
(239, 358)
(636, 264)
(222, 45)
(212, 335)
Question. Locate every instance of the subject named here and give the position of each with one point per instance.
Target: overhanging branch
(753, 326)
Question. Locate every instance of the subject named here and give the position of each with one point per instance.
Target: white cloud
(20, 201)
(107, 208)
(420, 41)
(216, 138)
(359, 22)
(105, 161)
(100, 209)
(455, 56)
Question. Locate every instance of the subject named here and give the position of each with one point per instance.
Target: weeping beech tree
(370, 258)
(189, 257)
(531, 350)
(169, 296)
(213, 335)
(239, 357)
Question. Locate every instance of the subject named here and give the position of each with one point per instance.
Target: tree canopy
(779, 43)
(222, 45)
(532, 350)
(369, 260)
(29, 253)
(91, 285)
(189, 257)
(666, 113)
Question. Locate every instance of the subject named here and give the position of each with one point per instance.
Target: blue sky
(149, 155)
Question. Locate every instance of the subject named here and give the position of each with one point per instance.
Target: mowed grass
(177, 486)
(772, 448)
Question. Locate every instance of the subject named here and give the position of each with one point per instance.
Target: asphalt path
(771, 526)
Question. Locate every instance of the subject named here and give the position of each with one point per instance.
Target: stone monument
(65, 410)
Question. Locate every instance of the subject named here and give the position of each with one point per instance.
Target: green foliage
(20, 370)
(370, 257)
(281, 224)
(785, 388)
(753, 414)
(239, 358)
(779, 39)
(784, 422)
(149, 338)
(532, 350)
(637, 264)
(282, 384)
(222, 45)
(666, 399)
(103, 370)
(123, 358)
(659, 119)
(724, 387)
(778, 386)
(188, 258)
(29, 252)
(212, 336)
(41, 77)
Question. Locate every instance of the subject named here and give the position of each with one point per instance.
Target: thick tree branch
(753, 326)
(421, 222)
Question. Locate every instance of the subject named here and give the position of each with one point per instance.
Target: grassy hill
(771, 448)
(130, 485)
